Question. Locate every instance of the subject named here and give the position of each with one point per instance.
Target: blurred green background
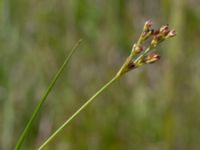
(152, 108)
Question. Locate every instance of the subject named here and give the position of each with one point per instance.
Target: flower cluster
(141, 55)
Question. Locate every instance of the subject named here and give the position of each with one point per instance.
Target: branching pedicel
(138, 57)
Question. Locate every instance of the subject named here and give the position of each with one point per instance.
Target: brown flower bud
(137, 49)
(151, 58)
(156, 40)
(160, 35)
(172, 33)
(148, 24)
(164, 30)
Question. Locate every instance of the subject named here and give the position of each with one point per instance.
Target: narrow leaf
(41, 102)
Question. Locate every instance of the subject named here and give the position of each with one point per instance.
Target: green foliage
(155, 107)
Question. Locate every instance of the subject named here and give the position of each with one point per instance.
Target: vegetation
(154, 107)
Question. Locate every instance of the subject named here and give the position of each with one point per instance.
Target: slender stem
(77, 112)
(140, 39)
(144, 53)
(39, 105)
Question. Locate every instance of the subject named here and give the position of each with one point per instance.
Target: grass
(41, 102)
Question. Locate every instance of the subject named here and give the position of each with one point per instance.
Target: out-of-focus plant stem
(174, 53)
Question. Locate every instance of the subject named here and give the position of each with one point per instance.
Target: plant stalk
(78, 111)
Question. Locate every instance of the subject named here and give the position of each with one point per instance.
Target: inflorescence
(140, 55)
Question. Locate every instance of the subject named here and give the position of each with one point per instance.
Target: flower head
(140, 56)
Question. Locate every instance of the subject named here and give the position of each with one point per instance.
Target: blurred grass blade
(38, 107)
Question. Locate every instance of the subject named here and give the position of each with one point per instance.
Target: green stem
(38, 107)
(77, 112)
(144, 53)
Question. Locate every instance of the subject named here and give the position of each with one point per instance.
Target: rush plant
(139, 56)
